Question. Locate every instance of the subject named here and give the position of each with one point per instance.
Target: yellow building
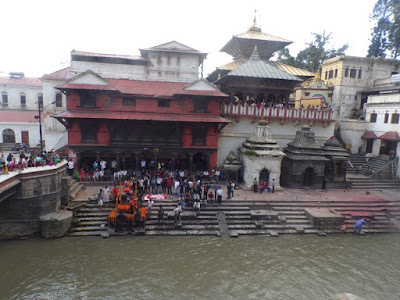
(313, 92)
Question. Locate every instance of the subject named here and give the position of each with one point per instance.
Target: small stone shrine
(304, 163)
(336, 168)
(308, 165)
(261, 157)
(232, 166)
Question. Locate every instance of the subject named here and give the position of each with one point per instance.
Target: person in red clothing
(169, 186)
(82, 175)
(115, 192)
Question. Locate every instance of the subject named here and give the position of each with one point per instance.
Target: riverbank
(290, 211)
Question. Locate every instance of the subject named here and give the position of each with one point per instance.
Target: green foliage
(386, 33)
(313, 55)
(250, 152)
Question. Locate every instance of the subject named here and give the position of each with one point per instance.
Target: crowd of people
(134, 191)
(281, 104)
(22, 161)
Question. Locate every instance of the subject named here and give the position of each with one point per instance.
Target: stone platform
(324, 217)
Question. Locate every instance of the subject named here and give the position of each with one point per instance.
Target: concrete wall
(234, 134)
(182, 68)
(351, 132)
(14, 96)
(17, 127)
(38, 194)
(53, 131)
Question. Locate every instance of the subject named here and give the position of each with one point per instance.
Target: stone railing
(312, 115)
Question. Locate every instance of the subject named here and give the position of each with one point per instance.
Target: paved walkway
(290, 194)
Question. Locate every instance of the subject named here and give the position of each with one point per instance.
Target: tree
(313, 55)
(386, 33)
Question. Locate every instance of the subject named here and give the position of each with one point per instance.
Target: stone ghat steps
(88, 220)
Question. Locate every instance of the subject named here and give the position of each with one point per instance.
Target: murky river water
(288, 267)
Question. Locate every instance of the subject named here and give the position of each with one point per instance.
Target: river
(255, 267)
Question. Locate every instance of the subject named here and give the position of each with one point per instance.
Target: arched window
(4, 99)
(260, 98)
(8, 136)
(271, 98)
(22, 97)
(320, 96)
(282, 99)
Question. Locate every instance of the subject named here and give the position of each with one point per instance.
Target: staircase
(361, 182)
(233, 217)
(339, 139)
(357, 160)
(74, 188)
(375, 164)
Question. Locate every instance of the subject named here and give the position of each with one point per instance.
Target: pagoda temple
(259, 87)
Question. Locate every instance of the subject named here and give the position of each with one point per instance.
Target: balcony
(310, 116)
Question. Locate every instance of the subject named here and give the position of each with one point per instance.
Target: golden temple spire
(255, 18)
(255, 27)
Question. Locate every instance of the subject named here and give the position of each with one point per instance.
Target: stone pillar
(173, 163)
(190, 161)
(118, 158)
(137, 162)
(155, 162)
(376, 147)
(78, 164)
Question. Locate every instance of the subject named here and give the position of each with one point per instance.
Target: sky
(38, 36)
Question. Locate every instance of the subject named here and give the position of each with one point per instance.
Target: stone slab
(55, 224)
(264, 214)
(274, 233)
(323, 217)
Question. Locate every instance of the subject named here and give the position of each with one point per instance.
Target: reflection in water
(288, 267)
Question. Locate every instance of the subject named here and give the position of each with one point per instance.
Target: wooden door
(25, 137)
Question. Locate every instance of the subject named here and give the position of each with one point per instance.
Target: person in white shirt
(176, 187)
(106, 194)
(103, 165)
(143, 164)
(71, 167)
(219, 194)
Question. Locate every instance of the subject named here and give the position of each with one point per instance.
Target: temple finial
(255, 27)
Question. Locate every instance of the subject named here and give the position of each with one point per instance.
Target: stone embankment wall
(37, 194)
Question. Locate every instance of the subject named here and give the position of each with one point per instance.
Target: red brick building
(175, 121)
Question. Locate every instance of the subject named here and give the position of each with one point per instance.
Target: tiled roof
(146, 88)
(261, 69)
(289, 69)
(31, 81)
(390, 136)
(62, 74)
(93, 54)
(369, 135)
(140, 116)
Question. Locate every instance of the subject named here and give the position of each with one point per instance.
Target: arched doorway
(309, 177)
(87, 159)
(8, 136)
(200, 161)
(264, 175)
